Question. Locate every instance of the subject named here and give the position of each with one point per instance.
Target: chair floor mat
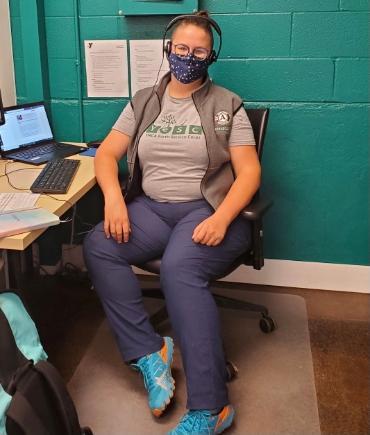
(274, 392)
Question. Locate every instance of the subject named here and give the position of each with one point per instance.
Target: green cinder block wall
(307, 60)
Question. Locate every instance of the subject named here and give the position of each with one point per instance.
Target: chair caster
(87, 431)
(267, 325)
(232, 370)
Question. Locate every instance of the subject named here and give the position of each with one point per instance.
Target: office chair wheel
(232, 370)
(267, 325)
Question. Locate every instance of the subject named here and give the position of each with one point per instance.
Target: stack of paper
(10, 202)
(27, 220)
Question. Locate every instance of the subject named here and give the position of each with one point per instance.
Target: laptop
(26, 136)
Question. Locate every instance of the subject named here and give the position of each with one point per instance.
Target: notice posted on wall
(146, 63)
(106, 68)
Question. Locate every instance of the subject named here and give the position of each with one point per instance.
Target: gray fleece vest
(216, 107)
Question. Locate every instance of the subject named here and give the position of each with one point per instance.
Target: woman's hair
(203, 24)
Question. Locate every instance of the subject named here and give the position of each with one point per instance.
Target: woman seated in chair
(193, 167)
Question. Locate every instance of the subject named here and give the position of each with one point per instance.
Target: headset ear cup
(167, 48)
(212, 57)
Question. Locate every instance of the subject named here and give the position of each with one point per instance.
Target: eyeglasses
(183, 50)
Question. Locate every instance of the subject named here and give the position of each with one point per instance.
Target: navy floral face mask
(187, 69)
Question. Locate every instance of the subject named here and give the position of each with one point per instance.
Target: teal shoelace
(148, 374)
(195, 421)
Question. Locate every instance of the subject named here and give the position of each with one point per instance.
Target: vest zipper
(209, 159)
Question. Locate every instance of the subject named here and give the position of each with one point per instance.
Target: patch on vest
(222, 121)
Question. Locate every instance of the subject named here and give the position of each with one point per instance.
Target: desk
(83, 181)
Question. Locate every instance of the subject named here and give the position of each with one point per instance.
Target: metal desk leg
(14, 267)
(6, 268)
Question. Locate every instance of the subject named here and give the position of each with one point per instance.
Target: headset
(167, 46)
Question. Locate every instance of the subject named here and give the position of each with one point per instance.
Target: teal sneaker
(158, 380)
(201, 422)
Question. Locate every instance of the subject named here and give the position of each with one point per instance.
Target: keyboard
(42, 149)
(56, 176)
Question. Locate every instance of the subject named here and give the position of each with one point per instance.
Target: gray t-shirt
(172, 151)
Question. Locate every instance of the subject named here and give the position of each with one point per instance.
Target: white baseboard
(301, 274)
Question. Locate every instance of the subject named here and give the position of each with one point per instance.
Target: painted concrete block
(98, 28)
(60, 37)
(16, 30)
(106, 111)
(330, 34)
(157, 7)
(122, 28)
(291, 5)
(351, 80)
(354, 5)
(222, 6)
(99, 7)
(14, 8)
(317, 180)
(65, 120)
(63, 78)
(277, 79)
(111, 7)
(255, 35)
(20, 79)
(57, 8)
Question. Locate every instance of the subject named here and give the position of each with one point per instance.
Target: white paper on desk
(10, 202)
(27, 220)
(145, 61)
(106, 68)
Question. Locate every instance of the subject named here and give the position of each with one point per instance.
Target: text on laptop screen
(24, 126)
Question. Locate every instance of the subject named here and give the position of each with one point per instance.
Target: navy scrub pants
(165, 229)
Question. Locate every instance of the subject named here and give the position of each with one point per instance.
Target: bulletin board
(157, 7)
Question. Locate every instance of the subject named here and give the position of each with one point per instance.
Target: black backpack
(38, 401)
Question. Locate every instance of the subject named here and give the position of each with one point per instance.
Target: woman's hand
(116, 221)
(211, 231)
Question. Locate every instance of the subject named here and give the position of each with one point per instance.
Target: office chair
(253, 255)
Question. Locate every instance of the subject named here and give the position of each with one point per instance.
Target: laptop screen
(24, 126)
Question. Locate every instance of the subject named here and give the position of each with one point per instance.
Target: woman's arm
(112, 149)
(247, 170)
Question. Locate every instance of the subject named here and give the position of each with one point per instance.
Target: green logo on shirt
(174, 130)
(195, 129)
(179, 129)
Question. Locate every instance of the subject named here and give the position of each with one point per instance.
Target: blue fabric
(23, 327)
(26, 338)
(89, 152)
(5, 399)
(165, 229)
(187, 69)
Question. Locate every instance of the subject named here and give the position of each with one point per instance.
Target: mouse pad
(89, 152)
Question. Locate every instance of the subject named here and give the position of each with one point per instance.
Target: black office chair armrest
(256, 208)
(123, 181)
